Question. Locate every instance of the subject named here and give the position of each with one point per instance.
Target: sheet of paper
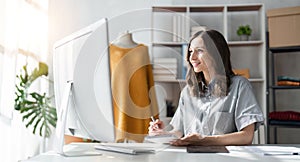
(166, 138)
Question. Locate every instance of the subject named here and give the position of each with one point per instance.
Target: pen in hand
(153, 120)
(165, 128)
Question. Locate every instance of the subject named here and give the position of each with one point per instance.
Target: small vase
(244, 37)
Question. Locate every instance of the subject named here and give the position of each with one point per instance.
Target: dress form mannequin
(132, 88)
(125, 40)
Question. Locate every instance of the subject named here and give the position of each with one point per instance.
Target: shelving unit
(224, 18)
(272, 104)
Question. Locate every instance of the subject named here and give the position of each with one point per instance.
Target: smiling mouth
(195, 64)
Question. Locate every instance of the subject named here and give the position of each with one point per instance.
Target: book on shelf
(164, 77)
(184, 62)
(165, 71)
(179, 27)
(175, 28)
(165, 60)
(165, 66)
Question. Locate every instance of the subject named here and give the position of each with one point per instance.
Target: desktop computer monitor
(82, 84)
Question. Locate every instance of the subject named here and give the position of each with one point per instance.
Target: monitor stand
(61, 125)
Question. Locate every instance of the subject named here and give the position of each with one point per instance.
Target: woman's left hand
(191, 139)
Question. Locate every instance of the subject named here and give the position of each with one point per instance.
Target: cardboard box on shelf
(242, 72)
(284, 27)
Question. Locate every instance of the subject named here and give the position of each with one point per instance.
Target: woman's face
(199, 58)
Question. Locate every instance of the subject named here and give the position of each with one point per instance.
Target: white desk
(169, 154)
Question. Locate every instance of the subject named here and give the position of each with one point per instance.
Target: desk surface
(169, 153)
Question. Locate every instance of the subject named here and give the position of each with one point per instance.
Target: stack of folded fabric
(288, 81)
(165, 68)
(285, 115)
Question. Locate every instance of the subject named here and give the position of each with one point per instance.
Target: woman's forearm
(243, 137)
(176, 133)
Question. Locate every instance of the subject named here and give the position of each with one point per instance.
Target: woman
(216, 107)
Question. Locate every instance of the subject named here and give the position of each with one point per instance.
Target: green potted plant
(244, 31)
(35, 107)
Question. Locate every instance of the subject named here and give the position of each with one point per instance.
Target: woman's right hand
(156, 128)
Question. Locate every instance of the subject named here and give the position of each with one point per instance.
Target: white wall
(67, 16)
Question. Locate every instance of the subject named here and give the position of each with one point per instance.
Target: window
(25, 42)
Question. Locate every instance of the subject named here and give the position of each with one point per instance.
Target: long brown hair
(214, 43)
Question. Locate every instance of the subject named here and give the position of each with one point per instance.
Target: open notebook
(131, 148)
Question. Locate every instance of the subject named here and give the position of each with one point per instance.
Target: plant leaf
(35, 107)
(37, 72)
(31, 120)
(36, 124)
